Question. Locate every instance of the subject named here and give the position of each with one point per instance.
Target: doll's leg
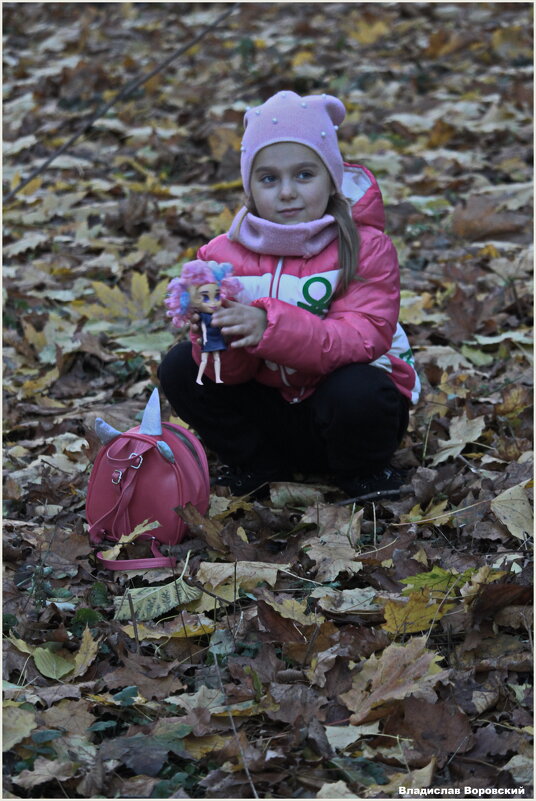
(202, 366)
(217, 367)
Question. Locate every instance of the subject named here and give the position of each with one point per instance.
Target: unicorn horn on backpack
(151, 425)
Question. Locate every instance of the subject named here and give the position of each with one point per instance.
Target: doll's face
(206, 298)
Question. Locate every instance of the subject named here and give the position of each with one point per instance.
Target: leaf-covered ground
(329, 650)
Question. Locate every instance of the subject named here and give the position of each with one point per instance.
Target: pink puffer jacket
(308, 334)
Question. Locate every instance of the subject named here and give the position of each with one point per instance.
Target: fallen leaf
(418, 613)
(462, 431)
(512, 507)
(333, 553)
(46, 770)
(294, 494)
(85, 655)
(335, 790)
(184, 626)
(17, 724)
(342, 737)
(415, 779)
(141, 528)
(149, 603)
(51, 664)
(246, 575)
(521, 768)
(294, 610)
(479, 218)
(433, 729)
(384, 681)
(360, 601)
(209, 530)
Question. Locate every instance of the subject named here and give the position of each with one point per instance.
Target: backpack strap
(157, 560)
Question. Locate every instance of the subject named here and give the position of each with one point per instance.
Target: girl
(318, 374)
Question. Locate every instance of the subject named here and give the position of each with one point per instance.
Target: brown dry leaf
(294, 610)
(282, 628)
(462, 431)
(515, 617)
(333, 549)
(500, 652)
(435, 730)
(417, 779)
(478, 218)
(200, 526)
(384, 681)
(184, 626)
(70, 715)
(17, 724)
(360, 601)
(493, 598)
(295, 702)
(46, 770)
(246, 575)
(335, 790)
(153, 677)
(512, 507)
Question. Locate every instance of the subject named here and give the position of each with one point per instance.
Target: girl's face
(290, 184)
(206, 298)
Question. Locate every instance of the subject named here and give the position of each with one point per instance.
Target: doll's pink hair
(197, 273)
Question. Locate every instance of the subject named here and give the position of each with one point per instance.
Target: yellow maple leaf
(221, 222)
(369, 34)
(35, 385)
(418, 613)
(139, 290)
(302, 57)
(116, 304)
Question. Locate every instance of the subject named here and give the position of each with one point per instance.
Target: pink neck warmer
(271, 239)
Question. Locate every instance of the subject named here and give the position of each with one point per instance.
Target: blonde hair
(339, 207)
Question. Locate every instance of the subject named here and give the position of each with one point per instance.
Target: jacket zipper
(274, 293)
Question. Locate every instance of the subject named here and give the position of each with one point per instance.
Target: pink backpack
(144, 474)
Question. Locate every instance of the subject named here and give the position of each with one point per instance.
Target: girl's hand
(248, 323)
(195, 327)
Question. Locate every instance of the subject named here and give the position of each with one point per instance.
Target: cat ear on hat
(335, 109)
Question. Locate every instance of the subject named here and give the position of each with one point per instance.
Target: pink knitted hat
(286, 117)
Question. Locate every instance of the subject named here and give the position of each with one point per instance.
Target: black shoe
(246, 482)
(385, 483)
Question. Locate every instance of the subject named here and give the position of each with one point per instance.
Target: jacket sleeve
(237, 364)
(359, 326)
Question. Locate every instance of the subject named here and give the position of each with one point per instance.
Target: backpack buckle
(140, 460)
(117, 475)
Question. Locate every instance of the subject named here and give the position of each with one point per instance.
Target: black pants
(352, 424)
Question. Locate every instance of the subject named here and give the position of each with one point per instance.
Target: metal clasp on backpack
(117, 475)
(136, 456)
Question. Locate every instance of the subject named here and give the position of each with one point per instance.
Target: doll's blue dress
(214, 339)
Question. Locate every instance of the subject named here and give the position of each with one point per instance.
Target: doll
(201, 287)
